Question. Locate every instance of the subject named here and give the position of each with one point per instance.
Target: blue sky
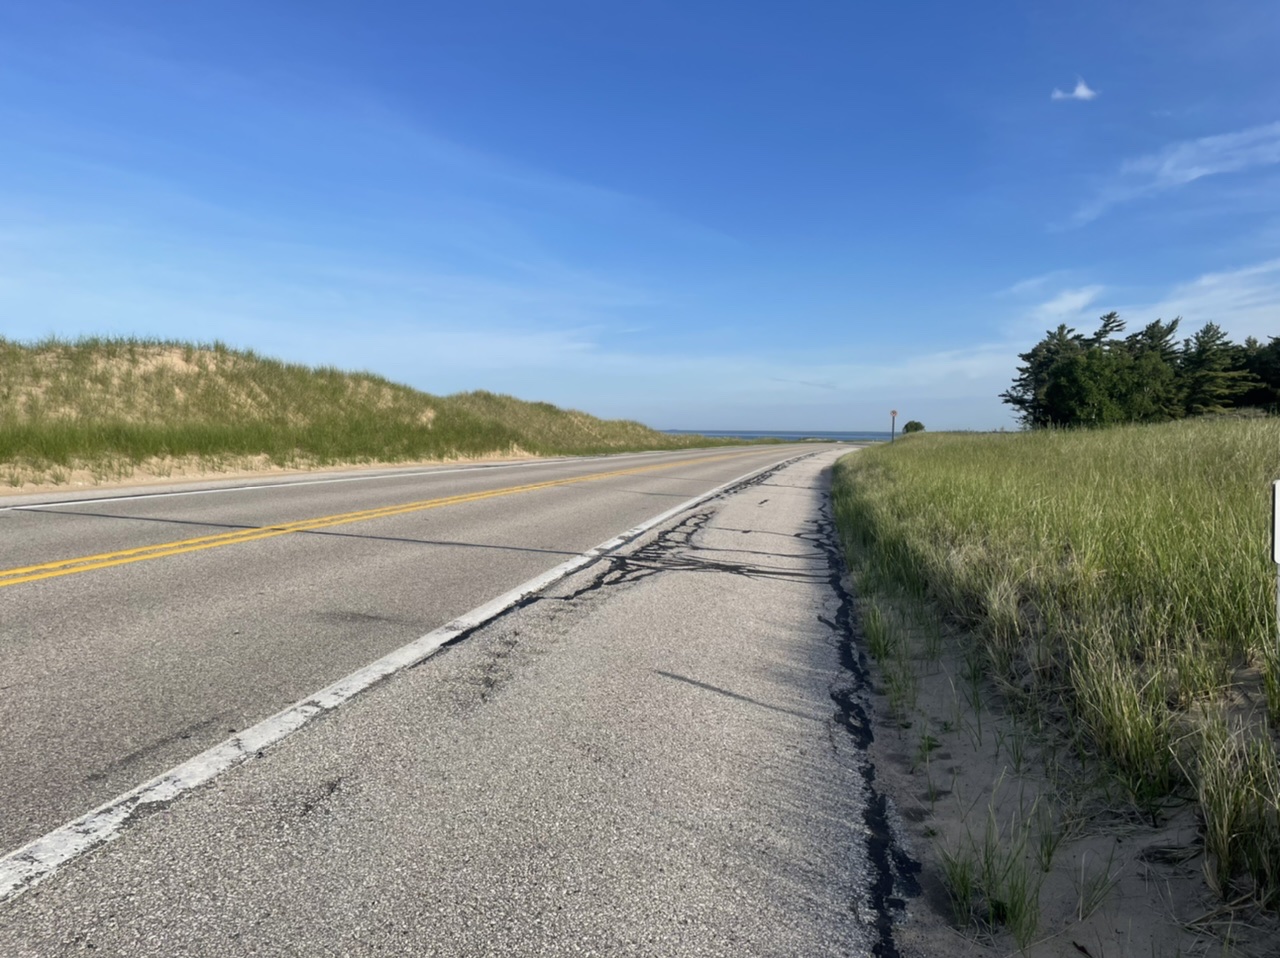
(696, 214)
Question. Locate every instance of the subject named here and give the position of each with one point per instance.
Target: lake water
(785, 434)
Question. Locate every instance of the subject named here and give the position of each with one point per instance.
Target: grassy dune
(1119, 582)
(112, 406)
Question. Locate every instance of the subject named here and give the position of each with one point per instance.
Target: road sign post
(1275, 545)
(893, 423)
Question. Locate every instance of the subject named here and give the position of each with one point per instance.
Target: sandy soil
(965, 780)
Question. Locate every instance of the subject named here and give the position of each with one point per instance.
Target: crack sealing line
(893, 870)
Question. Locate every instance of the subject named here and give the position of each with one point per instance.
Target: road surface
(660, 755)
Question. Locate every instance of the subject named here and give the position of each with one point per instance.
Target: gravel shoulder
(662, 755)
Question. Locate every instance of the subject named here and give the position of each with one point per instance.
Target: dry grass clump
(110, 405)
(1119, 581)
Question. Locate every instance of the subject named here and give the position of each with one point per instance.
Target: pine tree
(1208, 377)
(1086, 389)
(1262, 365)
(1068, 379)
(1153, 392)
(1028, 393)
(1109, 325)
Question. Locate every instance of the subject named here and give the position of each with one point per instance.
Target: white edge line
(39, 859)
(403, 474)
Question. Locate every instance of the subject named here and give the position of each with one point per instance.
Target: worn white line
(251, 486)
(31, 864)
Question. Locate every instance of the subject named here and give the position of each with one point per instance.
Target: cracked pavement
(663, 754)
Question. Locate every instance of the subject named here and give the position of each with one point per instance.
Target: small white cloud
(1082, 92)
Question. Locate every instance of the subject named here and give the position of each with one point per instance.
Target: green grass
(990, 882)
(1119, 581)
(110, 405)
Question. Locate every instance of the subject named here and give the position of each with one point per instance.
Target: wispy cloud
(1186, 162)
(1181, 163)
(73, 278)
(803, 382)
(1032, 284)
(1068, 306)
(1082, 91)
(1244, 302)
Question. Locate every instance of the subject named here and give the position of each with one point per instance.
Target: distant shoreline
(788, 434)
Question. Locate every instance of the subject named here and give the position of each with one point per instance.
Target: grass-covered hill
(110, 407)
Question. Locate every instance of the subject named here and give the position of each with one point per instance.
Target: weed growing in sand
(1050, 833)
(927, 745)
(888, 636)
(902, 687)
(880, 635)
(990, 882)
(931, 628)
(1094, 884)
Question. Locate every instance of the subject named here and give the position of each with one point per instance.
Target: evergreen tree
(1068, 379)
(1153, 392)
(1262, 365)
(1087, 389)
(1028, 393)
(1208, 377)
(1109, 325)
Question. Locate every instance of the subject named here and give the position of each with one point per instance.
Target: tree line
(1070, 379)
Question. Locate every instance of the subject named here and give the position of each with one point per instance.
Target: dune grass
(1119, 581)
(111, 405)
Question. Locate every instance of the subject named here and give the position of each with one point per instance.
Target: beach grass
(1118, 583)
(111, 406)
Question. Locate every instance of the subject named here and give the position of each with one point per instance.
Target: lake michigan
(784, 434)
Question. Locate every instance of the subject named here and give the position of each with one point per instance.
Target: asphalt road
(663, 754)
(117, 668)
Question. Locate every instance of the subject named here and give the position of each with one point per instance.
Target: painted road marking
(40, 859)
(106, 560)
(251, 486)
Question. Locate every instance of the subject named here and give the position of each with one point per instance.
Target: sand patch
(1026, 846)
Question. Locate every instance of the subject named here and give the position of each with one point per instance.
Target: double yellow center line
(105, 560)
